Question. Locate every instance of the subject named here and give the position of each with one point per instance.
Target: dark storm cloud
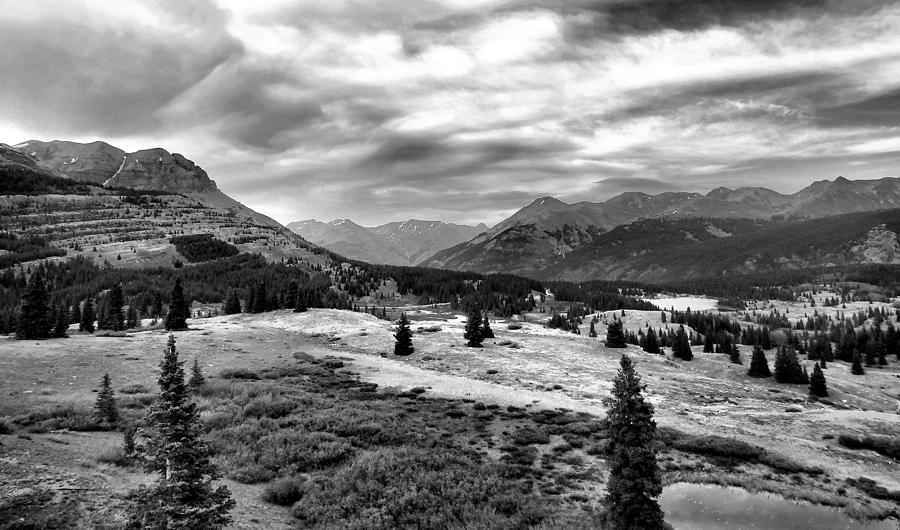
(84, 73)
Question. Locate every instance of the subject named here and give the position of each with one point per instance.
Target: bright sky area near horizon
(464, 110)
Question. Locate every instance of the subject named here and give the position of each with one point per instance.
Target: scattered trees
(403, 345)
(634, 478)
(787, 367)
(183, 496)
(681, 349)
(651, 342)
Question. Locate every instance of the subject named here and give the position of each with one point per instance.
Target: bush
(239, 373)
(284, 491)
(269, 406)
(60, 417)
(5, 427)
(711, 445)
(528, 436)
(134, 389)
(885, 445)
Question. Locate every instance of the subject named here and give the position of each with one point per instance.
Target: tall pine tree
(817, 385)
(177, 316)
(105, 407)
(472, 332)
(759, 365)
(615, 337)
(403, 345)
(173, 447)
(634, 478)
(87, 316)
(681, 349)
(34, 311)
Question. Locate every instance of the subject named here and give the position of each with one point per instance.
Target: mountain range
(552, 239)
(396, 243)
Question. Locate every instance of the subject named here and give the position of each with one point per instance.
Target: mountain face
(396, 243)
(550, 238)
(69, 196)
(148, 169)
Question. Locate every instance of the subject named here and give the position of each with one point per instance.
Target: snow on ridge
(121, 166)
(21, 145)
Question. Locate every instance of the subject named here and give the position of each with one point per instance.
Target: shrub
(528, 436)
(711, 445)
(269, 406)
(284, 491)
(885, 445)
(5, 427)
(134, 389)
(68, 417)
(239, 373)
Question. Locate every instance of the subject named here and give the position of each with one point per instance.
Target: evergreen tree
(856, 368)
(131, 318)
(615, 337)
(290, 299)
(232, 303)
(593, 332)
(75, 315)
(651, 343)
(115, 303)
(177, 316)
(183, 496)
(735, 355)
(403, 345)
(87, 316)
(681, 349)
(486, 331)
(197, 378)
(472, 333)
(34, 311)
(61, 324)
(759, 365)
(634, 478)
(260, 302)
(157, 307)
(301, 305)
(105, 406)
(787, 367)
(817, 386)
(708, 344)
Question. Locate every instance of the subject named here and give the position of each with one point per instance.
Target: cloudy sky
(464, 110)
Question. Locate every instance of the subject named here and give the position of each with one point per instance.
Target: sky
(464, 110)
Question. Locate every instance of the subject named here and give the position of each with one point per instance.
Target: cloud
(464, 110)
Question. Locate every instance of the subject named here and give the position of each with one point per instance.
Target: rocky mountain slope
(550, 238)
(66, 199)
(395, 243)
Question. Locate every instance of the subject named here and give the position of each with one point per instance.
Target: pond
(709, 507)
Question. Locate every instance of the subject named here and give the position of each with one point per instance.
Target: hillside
(52, 196)
(396, 243)
(584, 240)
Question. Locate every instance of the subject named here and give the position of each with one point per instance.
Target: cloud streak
(465, 111)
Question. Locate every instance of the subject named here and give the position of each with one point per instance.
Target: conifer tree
(857, 368)
(115, 303)
(787, 367)
(472, 332)
(105, 406)
(301, 305)
(651, 343)
(177, 316)
(593, 332)
(131, 318)
(486, 331)
(634, 478)
(75, 315)
(260, 301)
(87, 316)
(708, 344)
(290, 299)
(61, 324)
(735, 355)
(681, 349)
(34, 312)
(403, 345)
(232, 303)
(817, 385)
(173, 447)
(197, 378)
(759, 365)
(615, 337)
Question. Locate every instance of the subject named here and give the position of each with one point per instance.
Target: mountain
(148, 169)
(65, 198)
(395, 243)
(539, 239)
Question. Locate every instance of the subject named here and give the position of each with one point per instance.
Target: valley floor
(529, 369)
